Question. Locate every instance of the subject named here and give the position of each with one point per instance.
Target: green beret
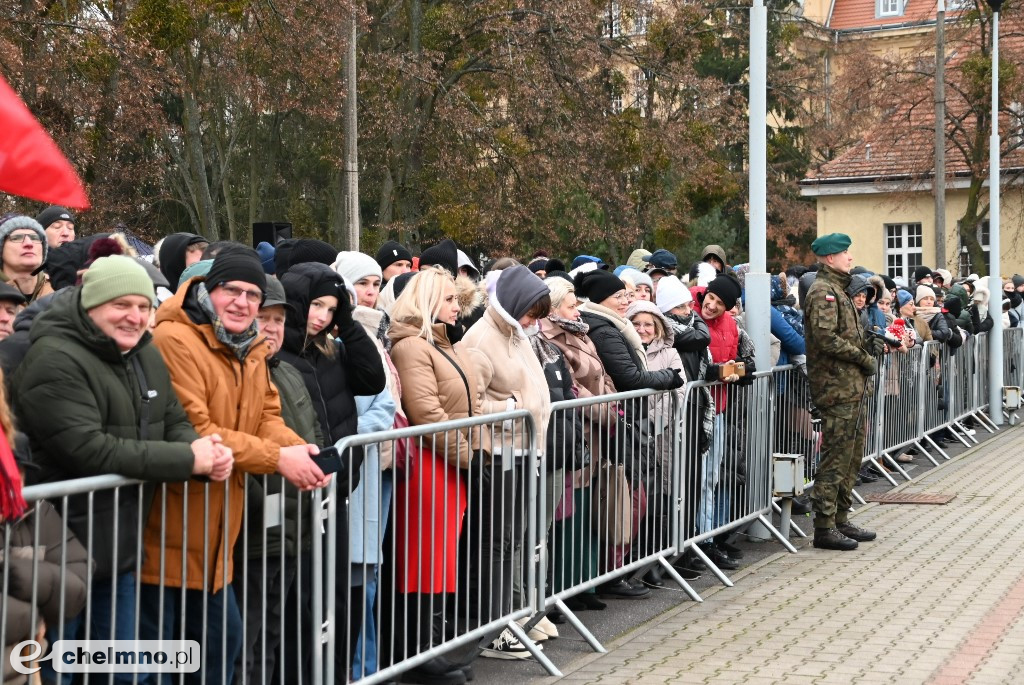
(832, 243)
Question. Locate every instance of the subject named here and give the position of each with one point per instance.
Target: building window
(644, 10)
(889, 8)
(966, 265)
(614, 20)
(616, 102)
(902, 250)
(1016, 133)
(640, 90)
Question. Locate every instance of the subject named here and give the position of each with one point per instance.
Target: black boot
(855, 532)
(424, 629)
(653, 576)
(832, 538)
(802, 505)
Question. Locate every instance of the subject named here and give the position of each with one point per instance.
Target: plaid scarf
(545, 351)
(577, 327)
(240, 343)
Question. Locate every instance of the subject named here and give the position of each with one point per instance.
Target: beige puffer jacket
(507, 368)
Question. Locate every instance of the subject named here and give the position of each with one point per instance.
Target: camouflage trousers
(842, 446)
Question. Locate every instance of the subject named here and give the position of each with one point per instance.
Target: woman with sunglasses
(23, 248)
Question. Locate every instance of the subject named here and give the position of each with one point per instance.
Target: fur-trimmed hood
(471, 296)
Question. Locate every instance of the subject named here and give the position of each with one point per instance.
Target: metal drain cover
(908, 498)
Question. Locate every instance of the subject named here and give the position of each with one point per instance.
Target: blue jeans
(106, 599)
(215, 659)
(711, 470)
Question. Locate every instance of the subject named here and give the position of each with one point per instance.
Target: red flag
(31, 165)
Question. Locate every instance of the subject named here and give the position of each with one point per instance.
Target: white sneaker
(506, 646)
(544, 625)
(544, 630)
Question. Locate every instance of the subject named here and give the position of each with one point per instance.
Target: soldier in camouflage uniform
(839, 363)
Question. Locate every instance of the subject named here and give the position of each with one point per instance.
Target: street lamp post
(995, 343)
(757, 281)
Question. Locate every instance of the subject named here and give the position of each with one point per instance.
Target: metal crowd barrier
(1013, 355)
(480, 526)
(134, 582)
(453, 564)
(611, 511)
(727, 480)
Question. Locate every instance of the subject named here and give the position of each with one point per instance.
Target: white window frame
(904, 249)
(614, 19)
(644, 11)
(640, 91)
(889, 8)
(616, 102)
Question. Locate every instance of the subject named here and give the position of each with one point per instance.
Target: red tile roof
(856, 14)
(901, 145)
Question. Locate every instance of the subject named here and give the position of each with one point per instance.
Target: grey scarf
(240, 343)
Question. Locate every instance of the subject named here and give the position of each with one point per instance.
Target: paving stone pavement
(937, 599)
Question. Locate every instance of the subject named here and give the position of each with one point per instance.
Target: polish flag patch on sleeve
(830, 298)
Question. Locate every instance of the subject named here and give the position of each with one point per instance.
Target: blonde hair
(560, 289)
(6, 420)
(421, 300)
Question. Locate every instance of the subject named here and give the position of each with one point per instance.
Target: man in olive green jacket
(839, 362)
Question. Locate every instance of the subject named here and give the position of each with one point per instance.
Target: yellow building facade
(893, 227)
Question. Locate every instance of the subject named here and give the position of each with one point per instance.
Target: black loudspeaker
(271, 232)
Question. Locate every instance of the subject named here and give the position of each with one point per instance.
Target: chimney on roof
(867, 151)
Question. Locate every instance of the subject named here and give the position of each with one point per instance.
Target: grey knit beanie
(11, 223)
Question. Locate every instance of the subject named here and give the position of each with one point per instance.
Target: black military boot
(831, 538)
(855, 533)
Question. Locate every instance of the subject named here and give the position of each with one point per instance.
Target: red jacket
(725, 340)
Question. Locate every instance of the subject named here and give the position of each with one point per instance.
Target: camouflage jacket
(835, 341)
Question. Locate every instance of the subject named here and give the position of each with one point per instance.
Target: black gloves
(875, 346)
(343, 316)
(677, 379)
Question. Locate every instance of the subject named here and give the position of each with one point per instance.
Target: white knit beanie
(355, 266)
(671, 293)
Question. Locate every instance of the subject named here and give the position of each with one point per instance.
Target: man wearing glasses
(208, 336)
(23, 248)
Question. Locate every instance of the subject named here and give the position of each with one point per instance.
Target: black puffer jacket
(333, 381)
(566, 441)
(691, 339)
(621, 360)
(14, 347)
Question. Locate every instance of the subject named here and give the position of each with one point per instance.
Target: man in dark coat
(79, 402)
(839, 361)
(270, 589)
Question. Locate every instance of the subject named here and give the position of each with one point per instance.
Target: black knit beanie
(391, 252)
(312, 250)
(445, 254)
(239, 264)
(402, 280)
(727, 288)
(554, 264)
(597, 285)
(922, 272)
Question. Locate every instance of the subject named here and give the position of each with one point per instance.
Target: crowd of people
(209, 367)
